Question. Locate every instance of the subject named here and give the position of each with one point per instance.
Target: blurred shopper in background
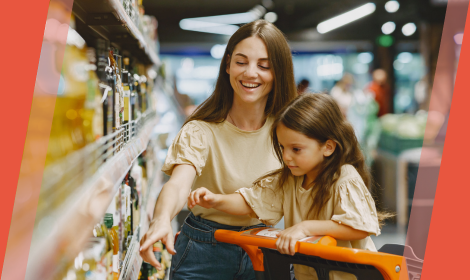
(303, 86)
(224, 145)
(341, 92)
(380, 88)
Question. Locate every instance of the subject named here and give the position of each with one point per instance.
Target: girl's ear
(329, 148)
(227, 60)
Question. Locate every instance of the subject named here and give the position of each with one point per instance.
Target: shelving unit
(133, 261)
(77, 190)
(108, 19)
(69, 224)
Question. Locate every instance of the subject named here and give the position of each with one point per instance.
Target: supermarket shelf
(61, 234)
(108, 19)
(133, 261)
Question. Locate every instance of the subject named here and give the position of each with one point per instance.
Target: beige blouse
(226, 159)
(353, 206)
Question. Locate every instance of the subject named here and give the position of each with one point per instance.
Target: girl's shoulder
(268, 181)
(272, 180)
(348, 172)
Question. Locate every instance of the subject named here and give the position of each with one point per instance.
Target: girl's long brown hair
(217, 106)
(318, 117)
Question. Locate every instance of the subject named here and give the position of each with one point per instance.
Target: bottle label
(127, 108)
(116, 263)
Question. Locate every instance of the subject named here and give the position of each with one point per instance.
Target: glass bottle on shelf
(67, 133)
(126, 82)
(104, 72)
(93, 112)
(120, 101)
(109, 221)
(134, 93)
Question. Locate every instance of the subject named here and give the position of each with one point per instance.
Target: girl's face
(301, 154)
(251, 76)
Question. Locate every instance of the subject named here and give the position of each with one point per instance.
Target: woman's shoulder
(200, 127)
(205, 126)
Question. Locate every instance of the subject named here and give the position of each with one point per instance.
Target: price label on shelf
(270, 232)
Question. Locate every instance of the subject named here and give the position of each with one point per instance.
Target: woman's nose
(250, 71)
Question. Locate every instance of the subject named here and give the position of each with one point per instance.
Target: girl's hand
(288, 238)
(202, 197)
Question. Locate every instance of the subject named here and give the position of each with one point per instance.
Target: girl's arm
(289, 237)
(333, 229)
(233, 204)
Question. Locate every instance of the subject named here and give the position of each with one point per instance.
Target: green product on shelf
(109, 220)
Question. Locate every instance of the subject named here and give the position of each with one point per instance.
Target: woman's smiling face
(251, 75)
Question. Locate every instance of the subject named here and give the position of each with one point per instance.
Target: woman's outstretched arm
(170, 202)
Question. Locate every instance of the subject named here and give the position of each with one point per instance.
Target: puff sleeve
(189, 147)
(266, 200)
(355, 207)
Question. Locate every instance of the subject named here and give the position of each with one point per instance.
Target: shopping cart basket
(321, 253)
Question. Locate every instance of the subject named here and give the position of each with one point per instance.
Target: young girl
(321, 188)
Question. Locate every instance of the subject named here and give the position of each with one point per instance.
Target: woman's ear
(227, 61)
(329, 148)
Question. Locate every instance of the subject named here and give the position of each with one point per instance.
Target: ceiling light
(409, 29)
(405, 57)
(223, 24)
(397, 65)
(365, 57)
(217, 51)
(346, 18)
(392, 6)
(271, 17)
(208, 27)
(388, 27)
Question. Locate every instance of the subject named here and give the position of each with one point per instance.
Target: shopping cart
(320, 252)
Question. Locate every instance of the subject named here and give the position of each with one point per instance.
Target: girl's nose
(286, 156)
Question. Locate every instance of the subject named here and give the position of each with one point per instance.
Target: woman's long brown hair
(217, 106)
(318, 117)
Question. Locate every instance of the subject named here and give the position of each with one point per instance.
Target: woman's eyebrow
(240, 54)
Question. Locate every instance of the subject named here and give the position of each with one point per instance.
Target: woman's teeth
(250, 85)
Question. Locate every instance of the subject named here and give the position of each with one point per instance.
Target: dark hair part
(318, 117)
(217, 106)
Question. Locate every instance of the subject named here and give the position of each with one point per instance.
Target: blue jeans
(200, 256)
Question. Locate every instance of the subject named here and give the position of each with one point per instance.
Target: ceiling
(296, 18)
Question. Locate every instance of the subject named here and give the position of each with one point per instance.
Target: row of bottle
(104, 254)
(99, 91)
(148, 272)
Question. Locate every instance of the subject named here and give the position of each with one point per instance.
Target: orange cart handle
(389, 265)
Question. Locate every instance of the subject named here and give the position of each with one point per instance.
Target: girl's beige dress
(351, 205)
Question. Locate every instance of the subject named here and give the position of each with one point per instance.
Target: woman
(224, 146)
(341, 92)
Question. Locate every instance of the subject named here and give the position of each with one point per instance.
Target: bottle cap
(157, 247)
(108, 220)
